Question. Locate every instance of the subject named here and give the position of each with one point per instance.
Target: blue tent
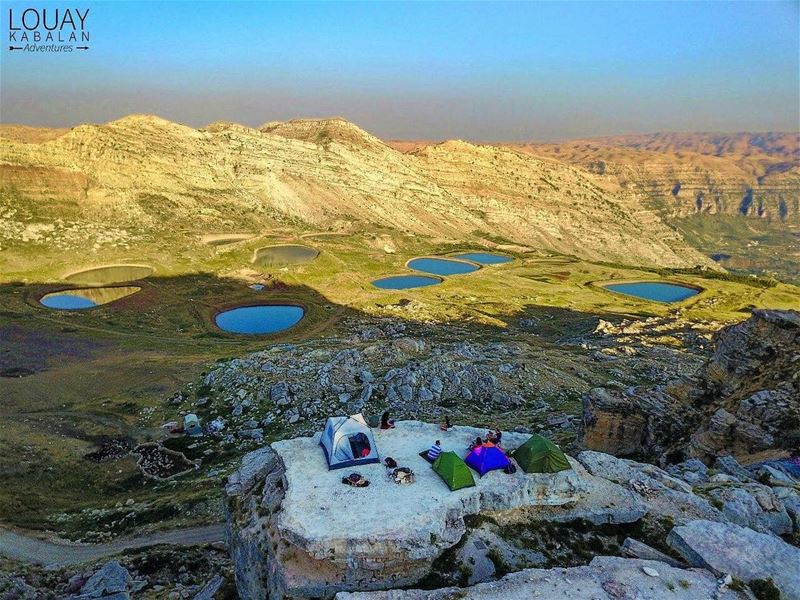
(487, 458)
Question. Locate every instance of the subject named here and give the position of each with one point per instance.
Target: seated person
(446, 425)
(389, 463)
(434, 451)
(386, 422)
(498, 437)
(476, 444)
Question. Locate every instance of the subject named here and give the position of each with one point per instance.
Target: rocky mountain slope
(754, 175)
(745, 400)
(146, 173)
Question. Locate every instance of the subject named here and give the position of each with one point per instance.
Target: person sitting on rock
(386, 422)
(434, 451)
(497, 436)
(446, 425)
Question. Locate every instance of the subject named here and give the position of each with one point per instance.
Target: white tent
(348, 441)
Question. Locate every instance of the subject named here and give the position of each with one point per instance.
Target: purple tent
(486, 458)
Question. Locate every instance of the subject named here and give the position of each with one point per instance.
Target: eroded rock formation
(744, 400)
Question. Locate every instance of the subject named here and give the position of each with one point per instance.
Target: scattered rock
(744, 553)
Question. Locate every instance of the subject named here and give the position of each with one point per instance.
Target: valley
(152, 233)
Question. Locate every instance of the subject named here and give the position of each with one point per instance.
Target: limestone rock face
(604, 577)
(742, 552)
(744, 400)
(662, 494)
(296, 531)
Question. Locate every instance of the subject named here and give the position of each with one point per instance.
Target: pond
(442, 266)
(110, 274)
(651, 290)
(259, 319)
(404, 282)
(290, 254)
(80, 299)
(484, 258)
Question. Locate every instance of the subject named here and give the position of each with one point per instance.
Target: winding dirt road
(27, 548)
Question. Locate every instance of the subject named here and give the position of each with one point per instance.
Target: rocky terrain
(151, 175)
(753, 175)
(161, 573)
(708, 515)
(730, 527)
(744, 401)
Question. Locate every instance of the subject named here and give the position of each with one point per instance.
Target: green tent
(540, 455)
(453, 470)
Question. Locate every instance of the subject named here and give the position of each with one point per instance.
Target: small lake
(65, 301)
(110, 274)
(484, 258)
(80, 299)
(260, 319)
(290, 254)
(651, 290)
(404, 282)
(441, 266)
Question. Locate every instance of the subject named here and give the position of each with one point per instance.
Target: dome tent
(191, 425)
(486, 458)
(348, 441)
(453, 471)
(540, 455)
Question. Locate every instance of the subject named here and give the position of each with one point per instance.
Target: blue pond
(67, 302)
(404, 282)
(441, 266)
(485, 258)
(649, 290)
(259, 319)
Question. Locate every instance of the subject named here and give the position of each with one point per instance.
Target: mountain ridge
(147, 172)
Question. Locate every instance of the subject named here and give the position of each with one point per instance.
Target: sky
(478, 71)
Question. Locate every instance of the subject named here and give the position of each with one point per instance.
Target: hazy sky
(487, 71)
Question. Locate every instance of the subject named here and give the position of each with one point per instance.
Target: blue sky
(491, 71)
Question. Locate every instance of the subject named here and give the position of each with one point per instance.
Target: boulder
(111, 579)
(744, 553)
(280, 394)
(210, 590)
(662, 494)
(752, 505)
(302, 533)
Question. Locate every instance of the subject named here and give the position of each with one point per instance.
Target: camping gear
(453, 471)
(191, 425)
(540, 455)
(348, 441)
(403, 475)
(355, 480)
(486, 458)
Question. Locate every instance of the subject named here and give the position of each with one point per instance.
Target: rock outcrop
(744, 400)
(741, 552)
(298, 532)
(604, 577)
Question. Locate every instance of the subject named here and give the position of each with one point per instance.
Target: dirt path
(20, 546)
